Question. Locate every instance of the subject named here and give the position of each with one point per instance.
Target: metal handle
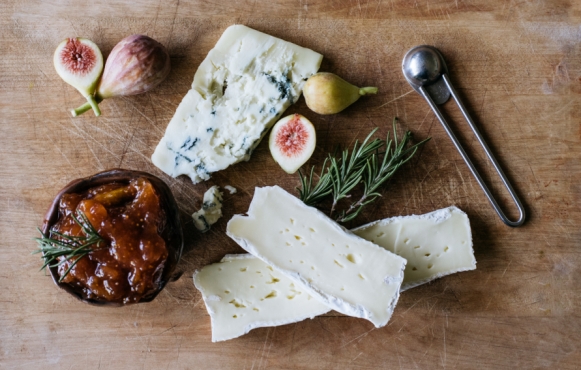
(475, 173)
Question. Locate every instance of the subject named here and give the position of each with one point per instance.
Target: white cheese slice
(242, 293)
(211, 210)
(435, 244)
(345, 272)
(239, 91)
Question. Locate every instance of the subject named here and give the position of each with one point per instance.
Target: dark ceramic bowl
(171, 231)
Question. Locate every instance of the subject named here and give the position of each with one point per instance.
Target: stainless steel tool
(425, 70)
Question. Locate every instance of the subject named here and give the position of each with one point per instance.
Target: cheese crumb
(211, 210)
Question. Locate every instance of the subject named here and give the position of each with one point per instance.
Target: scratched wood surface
(517, 65)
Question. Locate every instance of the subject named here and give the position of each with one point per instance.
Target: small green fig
(79, 63)
(327, 93)
(136, 65)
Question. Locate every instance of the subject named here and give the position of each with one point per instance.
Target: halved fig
(292, 142)
(79, 63)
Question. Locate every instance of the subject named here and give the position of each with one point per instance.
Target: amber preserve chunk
(114, 237)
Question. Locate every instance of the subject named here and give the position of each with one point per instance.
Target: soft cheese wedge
(348, 274)
(239, 91)
(242, 293)
(435, 244)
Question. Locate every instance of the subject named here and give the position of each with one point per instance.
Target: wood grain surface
(517, 66)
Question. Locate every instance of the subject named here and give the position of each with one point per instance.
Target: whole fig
(327, 93)
(136, 64)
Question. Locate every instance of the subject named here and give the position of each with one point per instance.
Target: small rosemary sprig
(365, 164)
(68, 246)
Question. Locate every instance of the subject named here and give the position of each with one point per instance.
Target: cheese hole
(303, 243)
(361, 277)
(311, 229)
(237, 304)
(252, 286)
(292, 221)
(463, 241)
(256, 309)
(380, 235)
(297, 237)
(287, 230)
(219, 269)
(312, 267)
(430, 266)
(332, 244)
(337, 263)
(227, 291)
(414, 269)
(417, 247)
(351, 258)
(446, 248)
(270, 268)
(302, 261)
(407, 241)
(234, 316)
(343, 288)
(289, 297)
(347, 246)
(273, 280)
(243, 269)
(427, 254)
(270, 295)
(288, 244)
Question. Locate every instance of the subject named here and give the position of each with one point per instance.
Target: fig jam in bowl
(129, 222)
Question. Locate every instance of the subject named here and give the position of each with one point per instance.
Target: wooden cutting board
(517, 66)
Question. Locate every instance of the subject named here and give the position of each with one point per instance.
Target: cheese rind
(242, 293)
(343, 271)
(435, 244)
(239, 91)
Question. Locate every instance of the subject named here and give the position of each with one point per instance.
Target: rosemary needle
(67, 246)
(364, 164)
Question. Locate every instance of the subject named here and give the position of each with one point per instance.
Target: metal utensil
(425, 70)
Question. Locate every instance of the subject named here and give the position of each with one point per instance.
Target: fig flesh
(136, 65)
(79, 63)
(292, 141)
(327, 93)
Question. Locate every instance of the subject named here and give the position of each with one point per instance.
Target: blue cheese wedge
(435, 244)
(211, 210)
(346, 273)
(242, 293)
(239, 91)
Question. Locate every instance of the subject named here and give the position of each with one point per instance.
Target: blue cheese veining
(239, 91)
(211, 210)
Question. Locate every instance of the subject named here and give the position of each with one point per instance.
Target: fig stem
(367, 90)
(91, 103)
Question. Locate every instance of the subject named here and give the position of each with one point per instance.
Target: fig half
(292, 141)
(79, 63)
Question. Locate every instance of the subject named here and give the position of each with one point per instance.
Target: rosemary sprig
(68, 246)
(365, 164)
